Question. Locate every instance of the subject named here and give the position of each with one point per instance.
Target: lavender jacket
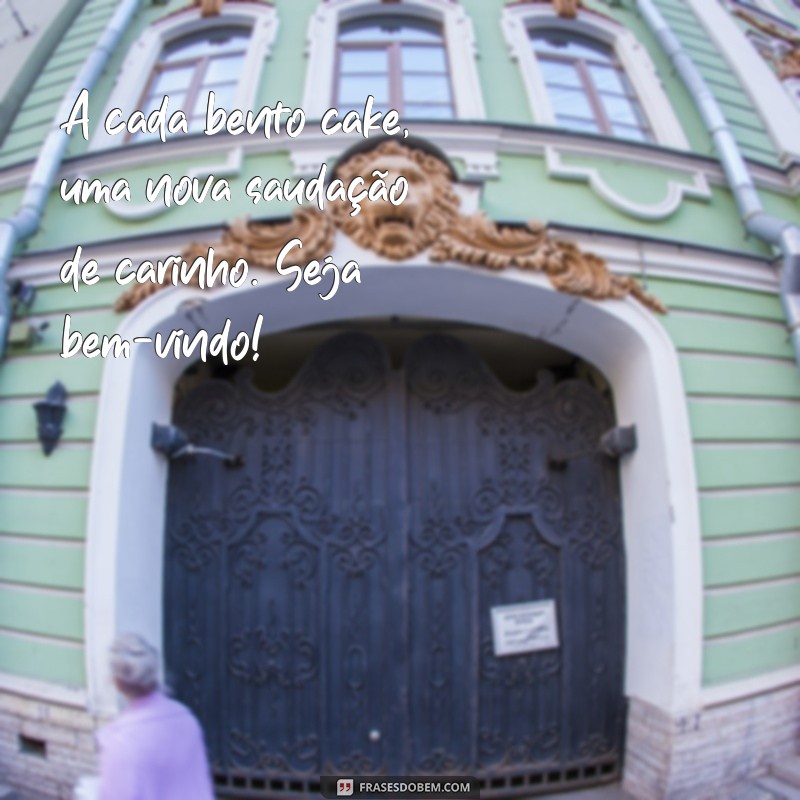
(154, 750)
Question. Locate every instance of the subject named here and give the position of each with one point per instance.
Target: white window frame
(518, 21)
(143, 55)
(457, 31)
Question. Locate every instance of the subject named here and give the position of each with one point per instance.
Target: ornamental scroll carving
(789, 65)
(210, 8)
(787, 62)
(568, 9)
(428, 220)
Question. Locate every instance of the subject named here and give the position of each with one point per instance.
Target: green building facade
(657, 136)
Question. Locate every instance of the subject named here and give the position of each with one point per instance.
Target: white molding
(679, 260)
(135, 71)
(779, 115)
(761, 684)
(40, 690)
(628, 343)
(136, 212)
(792, 88)
(518, 20)
(459, 36)
(309, 152)
(675, 192)
(480, 146)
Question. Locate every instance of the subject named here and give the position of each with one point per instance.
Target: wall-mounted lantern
(50, 414)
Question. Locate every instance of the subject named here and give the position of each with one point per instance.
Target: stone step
(788, 771)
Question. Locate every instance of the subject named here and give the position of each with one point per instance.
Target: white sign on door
(524, 627)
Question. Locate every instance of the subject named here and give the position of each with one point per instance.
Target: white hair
(134, 663)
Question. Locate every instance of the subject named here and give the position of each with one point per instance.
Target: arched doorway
(127, 502)
(345, 600)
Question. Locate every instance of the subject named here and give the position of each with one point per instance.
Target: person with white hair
(154, 750)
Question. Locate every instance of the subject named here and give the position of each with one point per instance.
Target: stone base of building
(705, 756)
(45, 747)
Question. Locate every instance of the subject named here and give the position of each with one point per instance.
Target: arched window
(188, 68)
(587, 86)
(418, 56)
(589, 74)
(400, 60)
(185, 55)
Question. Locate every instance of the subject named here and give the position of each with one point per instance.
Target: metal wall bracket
(174, 444)
(614, 443)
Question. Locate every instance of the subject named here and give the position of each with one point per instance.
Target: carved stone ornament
(568, 9)
(428, 219)
(210, 8)
(788, 63)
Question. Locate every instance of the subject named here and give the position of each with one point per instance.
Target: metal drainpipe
(780, 233)
(25, 222)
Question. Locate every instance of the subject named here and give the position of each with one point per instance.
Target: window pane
(560, 73)
(588, 89)
(223, 98)
(389, 29)
(620, 109)
(226, 68)
(626, 132)
(573, 124)
(208, 43)
(171, 79)
(416, 58)
(342, 110)
(571, 102)
(153, 101)
(608, 79)
(354, 89)
(413, 111)
(426, 89)
(570, 46)
(362, 59)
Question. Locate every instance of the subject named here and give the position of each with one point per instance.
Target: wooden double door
(328, 604)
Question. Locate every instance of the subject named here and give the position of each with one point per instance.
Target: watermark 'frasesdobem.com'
(379, 787)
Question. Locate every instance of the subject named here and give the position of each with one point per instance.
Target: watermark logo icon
(344, 787)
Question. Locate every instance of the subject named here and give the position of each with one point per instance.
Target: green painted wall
(747, 448)
(744, 404)
(284, 73)
(743, 388)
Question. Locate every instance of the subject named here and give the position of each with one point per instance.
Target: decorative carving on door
(328, 604)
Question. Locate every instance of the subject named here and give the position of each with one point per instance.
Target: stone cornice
(477, 144)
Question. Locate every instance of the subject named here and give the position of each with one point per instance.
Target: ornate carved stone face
(402, 231)
(429, 217)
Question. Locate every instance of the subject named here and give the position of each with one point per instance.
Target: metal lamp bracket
(614, 443)
(172, 442)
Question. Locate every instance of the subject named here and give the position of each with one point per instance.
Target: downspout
(25, 222)
(780, 233)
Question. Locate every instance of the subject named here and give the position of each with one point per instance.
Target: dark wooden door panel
(328, 604)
